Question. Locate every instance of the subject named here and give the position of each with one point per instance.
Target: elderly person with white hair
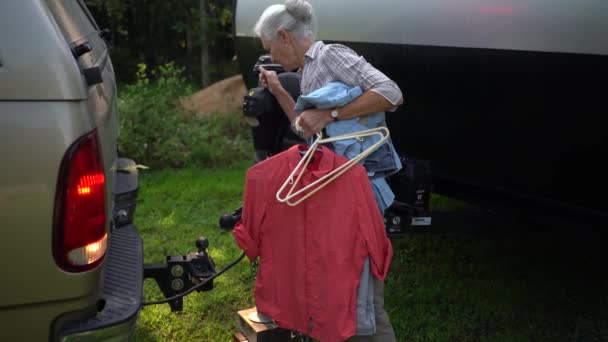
(286, 32)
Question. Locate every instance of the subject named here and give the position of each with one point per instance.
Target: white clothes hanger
(317, 185)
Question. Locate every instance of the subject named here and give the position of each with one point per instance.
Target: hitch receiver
(180, 273)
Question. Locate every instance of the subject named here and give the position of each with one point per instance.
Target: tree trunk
(204, 46)
(189, 41)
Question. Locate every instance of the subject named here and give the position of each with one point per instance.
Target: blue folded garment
(334, 94)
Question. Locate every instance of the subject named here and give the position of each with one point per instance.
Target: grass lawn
(459, 287)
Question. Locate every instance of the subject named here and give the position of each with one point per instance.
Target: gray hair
(295, 16)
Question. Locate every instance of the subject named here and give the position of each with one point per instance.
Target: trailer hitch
(181, 273)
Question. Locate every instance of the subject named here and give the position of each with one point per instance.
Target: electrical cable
(180, 295)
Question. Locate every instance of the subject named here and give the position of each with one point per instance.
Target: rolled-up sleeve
(352, 69)
(247, 230)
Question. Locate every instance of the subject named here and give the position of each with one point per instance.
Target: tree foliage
(157, 132)
(156, 32)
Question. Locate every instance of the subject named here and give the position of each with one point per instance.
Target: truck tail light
(80, 238)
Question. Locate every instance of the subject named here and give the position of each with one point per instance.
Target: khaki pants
(384, 329)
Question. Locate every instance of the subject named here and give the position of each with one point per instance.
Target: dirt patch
(225, 96)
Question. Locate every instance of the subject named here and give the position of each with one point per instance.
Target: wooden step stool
(258, 332)
(239, 337)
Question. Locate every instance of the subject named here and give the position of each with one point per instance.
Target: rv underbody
(521, 130)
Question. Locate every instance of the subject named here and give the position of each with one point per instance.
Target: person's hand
(313, 121)
(270, 81)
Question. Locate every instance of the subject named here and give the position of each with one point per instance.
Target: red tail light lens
(80, 219)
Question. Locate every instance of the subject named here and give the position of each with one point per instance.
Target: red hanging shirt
(311, 255)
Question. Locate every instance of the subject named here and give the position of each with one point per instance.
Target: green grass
(174, 208)
(459, 287)
(508, 287)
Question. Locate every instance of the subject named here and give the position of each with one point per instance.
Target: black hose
(167, 300)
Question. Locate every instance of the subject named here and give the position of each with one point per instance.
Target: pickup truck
(71, 258)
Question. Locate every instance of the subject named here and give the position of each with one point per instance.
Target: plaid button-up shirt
(335, 62)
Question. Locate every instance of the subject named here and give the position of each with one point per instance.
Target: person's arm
(349, 68)
(380, 92)
(314, 120)
(270, 80)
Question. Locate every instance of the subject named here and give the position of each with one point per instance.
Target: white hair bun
(301, 10)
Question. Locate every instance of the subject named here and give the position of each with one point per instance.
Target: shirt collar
(326, 164)
(313, 50)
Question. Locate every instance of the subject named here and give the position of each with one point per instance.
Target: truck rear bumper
(121, 293)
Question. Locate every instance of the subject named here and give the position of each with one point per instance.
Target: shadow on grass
(512, 286)
(548, 286)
